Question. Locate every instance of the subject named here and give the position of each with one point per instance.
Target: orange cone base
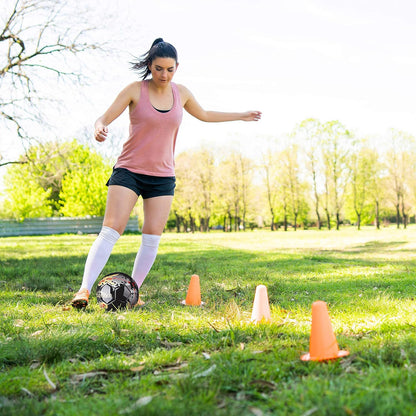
(307, 357)
(190, 304)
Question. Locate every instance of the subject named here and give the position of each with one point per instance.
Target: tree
(228, 196)
(184, 203)
(83, 192)
(234, 182)
(246, 169)
(399, 157)
(25, 196)
(83, 172)
(271, 184)
(223, 198)
(377, 186)
(327, 203)
(336, 147)
(38, 38)
(364, 173)
(292, 190)
(283, 187)
(48, 164)
(203, 162)
(309, 133)
(193, 195)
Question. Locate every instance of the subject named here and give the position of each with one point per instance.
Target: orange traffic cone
(261, 308)
(323, 344)
(193, 297)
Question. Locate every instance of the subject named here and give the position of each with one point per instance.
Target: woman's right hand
(100, 133)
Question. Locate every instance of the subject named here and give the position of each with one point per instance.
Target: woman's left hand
(251, 116)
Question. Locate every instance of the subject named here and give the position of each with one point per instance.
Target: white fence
(48, 226)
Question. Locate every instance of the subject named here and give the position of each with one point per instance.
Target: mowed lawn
(170, 359)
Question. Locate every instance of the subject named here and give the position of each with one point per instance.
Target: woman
(146, 164)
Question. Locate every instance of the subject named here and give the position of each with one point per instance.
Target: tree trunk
(404, 215)
(377, 215)
(318, 217)
(272, 228)
(178, 222)
(192, 223)
(398, 215)
(328, 219)
(316, 200)
(204, 224)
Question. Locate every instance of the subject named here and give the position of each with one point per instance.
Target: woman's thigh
(156, 213)
(120, 203)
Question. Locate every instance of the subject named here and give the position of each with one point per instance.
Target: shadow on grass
(85, 341)
(226, 274)
(115, 340)
(377, 245)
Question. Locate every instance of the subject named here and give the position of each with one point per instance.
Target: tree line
(320, 175)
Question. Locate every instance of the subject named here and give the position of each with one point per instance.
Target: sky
(352, 61)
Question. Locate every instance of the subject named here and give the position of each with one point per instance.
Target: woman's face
(162, 70)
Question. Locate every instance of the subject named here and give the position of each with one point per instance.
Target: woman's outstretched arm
(192, 106)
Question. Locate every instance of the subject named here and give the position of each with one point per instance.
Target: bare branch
(36, 40)
(16, 162)
(19, 128)
(10, 19)
(57, 71)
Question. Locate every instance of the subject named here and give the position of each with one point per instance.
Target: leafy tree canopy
(60, 178)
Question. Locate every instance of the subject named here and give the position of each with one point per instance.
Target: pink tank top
(150, 148)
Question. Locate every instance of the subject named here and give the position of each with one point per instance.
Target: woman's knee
(115, 224)
(153, 230)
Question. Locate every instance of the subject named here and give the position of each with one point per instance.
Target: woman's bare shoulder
(182, 88)
(132, 90)
(134, 87)
(184, 93)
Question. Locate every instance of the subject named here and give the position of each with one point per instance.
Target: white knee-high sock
(145, 257)
(97, 257)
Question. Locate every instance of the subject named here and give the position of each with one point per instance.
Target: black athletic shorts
(145, 185)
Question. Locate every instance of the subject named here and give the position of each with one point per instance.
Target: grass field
(169, 359)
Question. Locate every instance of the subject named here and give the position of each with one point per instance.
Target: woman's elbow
(206, 117)
(201, 116)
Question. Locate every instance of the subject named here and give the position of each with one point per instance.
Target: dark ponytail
(159, 49)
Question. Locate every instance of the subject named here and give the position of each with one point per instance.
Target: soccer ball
(117, 291)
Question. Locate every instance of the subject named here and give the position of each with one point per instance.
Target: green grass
(168, 359)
